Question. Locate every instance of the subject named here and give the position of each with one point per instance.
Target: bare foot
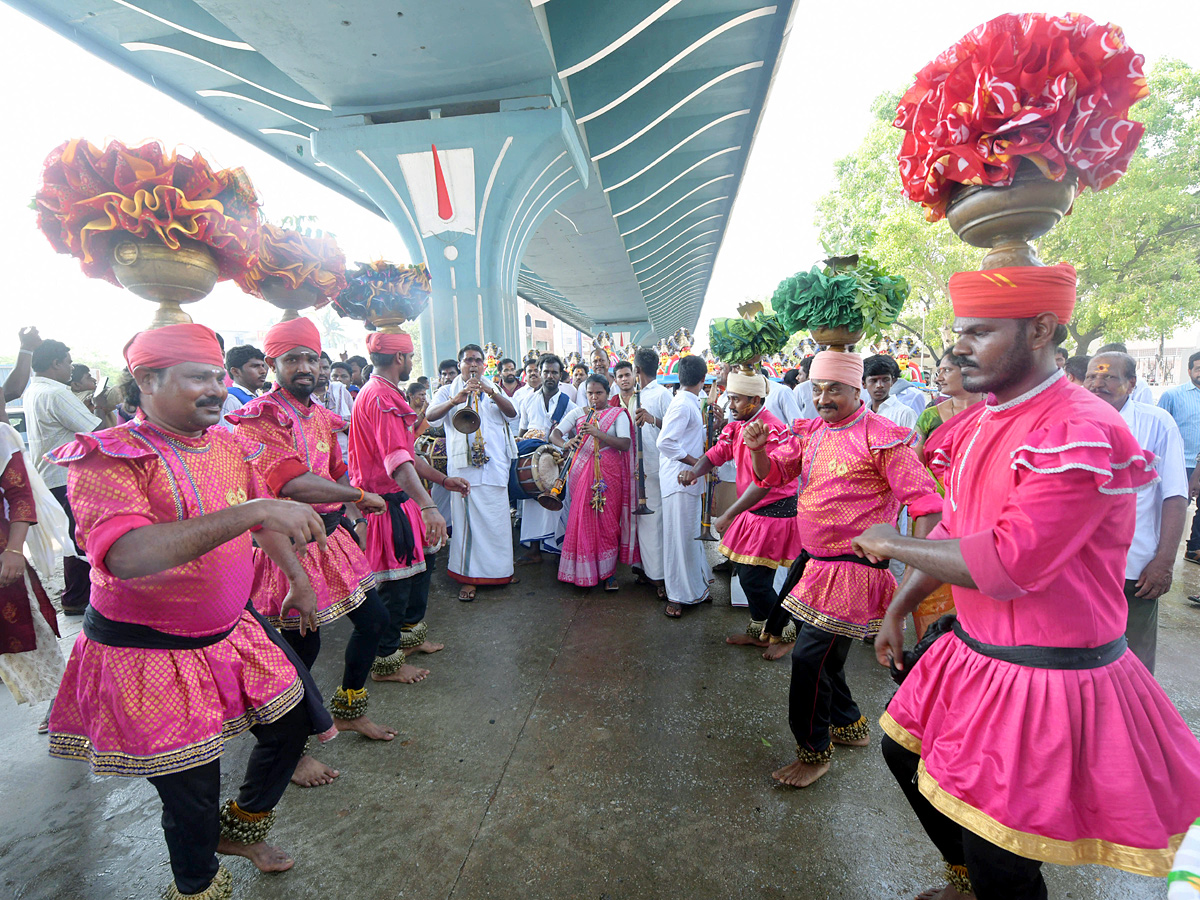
(266, 857)
(406, 674)
(312, 773)
(741, 639)
(428, 647)
(529, 559)
(366, 728)
(778, 651)
(946, 893)
(800, 774)
(860, 742)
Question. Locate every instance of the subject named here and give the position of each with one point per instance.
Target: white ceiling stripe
(695, 134)
(622, 40)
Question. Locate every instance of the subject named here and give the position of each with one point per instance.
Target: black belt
(783, 508)
(779, 616)
(333, 519)
(404, 542)
(1036, 657)
(102, 630)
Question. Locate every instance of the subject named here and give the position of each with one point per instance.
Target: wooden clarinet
(642, 508)
(711, 488)
(560, 483)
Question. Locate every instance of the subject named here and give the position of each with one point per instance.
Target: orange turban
(161, 348)
(833, 365)
(1014, 292)
(381, 342)
(285, 336)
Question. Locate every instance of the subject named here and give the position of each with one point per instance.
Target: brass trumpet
(467, 419)
(706, 509)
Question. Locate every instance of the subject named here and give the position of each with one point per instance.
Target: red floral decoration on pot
(1053, 89)
(92, 199)
(297, 260)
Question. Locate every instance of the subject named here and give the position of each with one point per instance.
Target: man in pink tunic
(856, 469)
(759, 532)
(1029, 734)
(302, 460)
(382, 460)
(172, 661)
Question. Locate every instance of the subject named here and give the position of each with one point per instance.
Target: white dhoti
(441, 497)
(481, 549)
(539, 526)
(686, 568)
(650, 531)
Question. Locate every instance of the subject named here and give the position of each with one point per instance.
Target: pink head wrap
(1015, 292)
(382, 342)
(832, 365)
(161, 348)
(285, 336)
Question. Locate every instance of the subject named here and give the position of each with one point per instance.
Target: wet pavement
(568, 744)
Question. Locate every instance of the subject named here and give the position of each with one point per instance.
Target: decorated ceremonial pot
(1007, 219)
(291, 300)
(840, 339)
(152, 270)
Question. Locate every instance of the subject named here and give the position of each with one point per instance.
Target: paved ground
(569, 744)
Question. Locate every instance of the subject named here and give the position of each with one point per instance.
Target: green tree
(1136, 245)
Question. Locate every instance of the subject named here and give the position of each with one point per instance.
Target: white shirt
(569, 389)
(536, 414)
(804, 400)
(53, 416)
(655, 400)
(902, 415)
(339, 401)
(1157, 432)
(1141, 393)
(520, 394)
(497, 432)
(781, 403)
(910, 395)
(682, 435)
(570, 423)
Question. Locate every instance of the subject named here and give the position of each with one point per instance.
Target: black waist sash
(404, 542)
(102, 630)
(1036, 657)
(778, 619)
(783, 508)
(332, 520)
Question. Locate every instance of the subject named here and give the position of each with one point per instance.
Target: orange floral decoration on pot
(297, 259)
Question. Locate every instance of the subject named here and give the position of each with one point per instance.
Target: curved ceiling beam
(682, 278)
(683, 54)
(243, 98)
(696, 93)
(685, 266)
(621, 41)
(657, 250)
(677, 221)
(693, 166)
(676, 259)
(695, 134)
(136, 46)
(221, 42)
(667, 209)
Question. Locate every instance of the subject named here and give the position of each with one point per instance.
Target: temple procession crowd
(214, 526)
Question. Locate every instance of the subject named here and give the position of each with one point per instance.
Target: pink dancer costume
(758, 537)
(141, 712)
(595, 541)
(853, 474)
(297, 439)
(1068, 766)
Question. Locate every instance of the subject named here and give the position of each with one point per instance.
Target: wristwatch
(359, 521)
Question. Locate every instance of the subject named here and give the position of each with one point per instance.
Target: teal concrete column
(467, 211)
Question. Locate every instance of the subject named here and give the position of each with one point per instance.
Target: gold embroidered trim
(897, 733)
(818, 619)
(1138, 860)
(330, 613)
(755, 560)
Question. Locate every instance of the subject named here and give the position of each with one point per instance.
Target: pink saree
(597, 539)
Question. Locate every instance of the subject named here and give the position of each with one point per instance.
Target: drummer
(540, 413)
(481, 551)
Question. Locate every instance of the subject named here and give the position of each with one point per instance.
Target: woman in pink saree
(600, 525)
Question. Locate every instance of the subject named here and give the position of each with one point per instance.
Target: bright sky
(838, 58)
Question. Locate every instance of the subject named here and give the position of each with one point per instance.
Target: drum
(725, 494)
(534, 474)
(433, 448)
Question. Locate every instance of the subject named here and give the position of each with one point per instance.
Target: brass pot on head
(150, 269)
(1007, 219)
(840, 339)
(291, 300)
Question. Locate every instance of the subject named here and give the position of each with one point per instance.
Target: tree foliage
(1136, 245)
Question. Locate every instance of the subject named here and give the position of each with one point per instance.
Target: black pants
(996, 874)
(191, 799)
(76, 572)
(406, 601)
(819, 695)
(1141, 629)
(369, 618)
(759, 584)
(1193, 540)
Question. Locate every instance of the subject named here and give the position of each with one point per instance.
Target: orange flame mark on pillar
(445, 210)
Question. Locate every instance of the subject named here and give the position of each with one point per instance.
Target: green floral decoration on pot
(850, 292)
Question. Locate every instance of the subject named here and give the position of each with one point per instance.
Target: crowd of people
(219, 509)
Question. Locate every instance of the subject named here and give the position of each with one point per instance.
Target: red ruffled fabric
(297, 260)
(1115, 458)
(91, 199)
(1053, 89)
